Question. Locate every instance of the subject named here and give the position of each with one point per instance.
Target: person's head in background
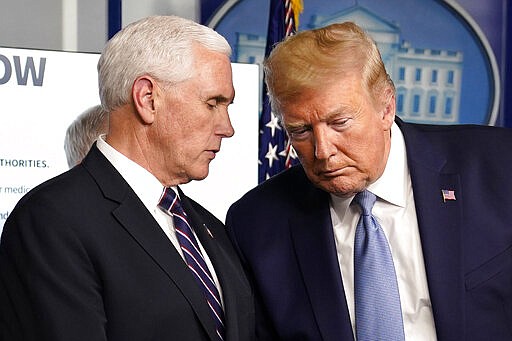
(82, 133)
(167, 82)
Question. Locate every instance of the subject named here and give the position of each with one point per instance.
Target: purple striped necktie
(170, 204)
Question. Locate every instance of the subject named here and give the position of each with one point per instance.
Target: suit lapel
(313, 240)
(133, 216)
(440, 231)
(152, 239)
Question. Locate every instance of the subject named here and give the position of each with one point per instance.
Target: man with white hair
(113, 249)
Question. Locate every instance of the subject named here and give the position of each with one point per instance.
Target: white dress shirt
(396, 213)
(149, 190)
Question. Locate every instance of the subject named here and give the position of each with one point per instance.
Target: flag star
(293, 153)
(271, 154)
(273, 124)
(283, 153)
(288, 154)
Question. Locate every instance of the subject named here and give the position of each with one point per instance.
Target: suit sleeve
(49, 289)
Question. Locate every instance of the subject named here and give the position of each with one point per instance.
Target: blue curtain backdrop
(114, 17)
(208, 8)
(507, 103)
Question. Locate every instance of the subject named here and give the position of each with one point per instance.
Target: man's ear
(388, 113)
(144, 91)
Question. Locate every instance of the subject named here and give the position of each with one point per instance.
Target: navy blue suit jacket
(282, 230)
(81, 258)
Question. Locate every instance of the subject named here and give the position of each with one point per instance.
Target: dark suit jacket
(81, 258)
(283, 231)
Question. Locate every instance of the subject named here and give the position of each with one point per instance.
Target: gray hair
(157, 46)
(82, 133)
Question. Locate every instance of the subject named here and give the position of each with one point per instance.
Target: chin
(200, 175)
(341, 188)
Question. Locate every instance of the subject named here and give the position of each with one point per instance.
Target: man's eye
(341, 123)
(212, 104)
(298, 134)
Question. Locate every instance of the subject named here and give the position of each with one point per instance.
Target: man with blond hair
(386, 230)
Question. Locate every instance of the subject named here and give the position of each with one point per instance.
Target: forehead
(343, 94)
(208, 61)
(212, 74)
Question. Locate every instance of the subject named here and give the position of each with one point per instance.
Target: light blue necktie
(377, 301)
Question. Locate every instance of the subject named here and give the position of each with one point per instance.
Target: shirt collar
(392, 185)
(147, 187)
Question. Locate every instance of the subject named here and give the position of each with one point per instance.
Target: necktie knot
(365, 200)
(170, 203)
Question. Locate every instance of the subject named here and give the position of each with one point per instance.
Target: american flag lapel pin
(208, 230)
(448, 194)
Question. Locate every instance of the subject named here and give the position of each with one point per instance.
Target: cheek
(371, 154)
(193, 125)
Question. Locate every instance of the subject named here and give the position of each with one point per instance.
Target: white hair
(158, 46)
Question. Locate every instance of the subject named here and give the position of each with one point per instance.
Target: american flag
(275, 151)
(448, 194)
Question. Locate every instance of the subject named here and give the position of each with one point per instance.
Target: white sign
(42, 92)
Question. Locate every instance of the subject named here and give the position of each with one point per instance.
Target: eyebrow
(222, 99)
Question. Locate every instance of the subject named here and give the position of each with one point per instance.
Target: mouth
(212, 153)
(331, 173)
